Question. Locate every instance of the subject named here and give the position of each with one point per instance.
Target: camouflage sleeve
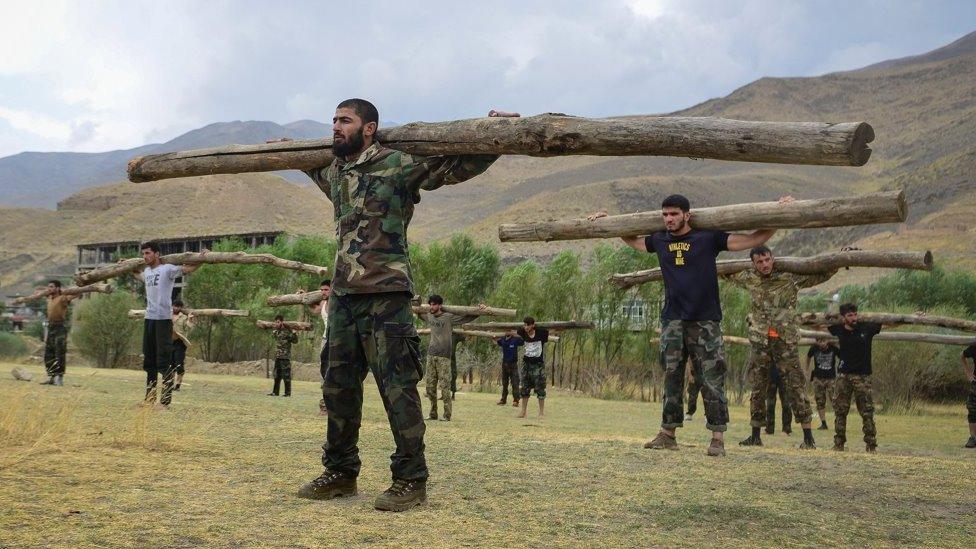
(431, 172)
(293, 338)
(318, 176)
(811, 280)
(736, 279)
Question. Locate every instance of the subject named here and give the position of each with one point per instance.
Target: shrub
(102, 330)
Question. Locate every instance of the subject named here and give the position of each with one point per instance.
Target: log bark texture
(552, 325)
(477, 333)
(307, 298)
(465, 310)
(290, 324)
(843, 144)
(916, 337)
(820, 263)
(139, 313)
(881, 207)
(196, 258)
(69, 290)
(822, 319)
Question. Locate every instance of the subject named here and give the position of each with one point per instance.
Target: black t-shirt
(690, 277)
(970, 352)
(855, 347)
(824, 362)
(534, 346)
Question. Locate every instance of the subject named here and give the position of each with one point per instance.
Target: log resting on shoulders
(843, 211)
(820, 263)
(139, 313)
(917, 337)
(69, 290)
(306, 298)
(478, 333)
(465, 310)
(550, 134)
(290, 324)
(550, 325)
(197, 258)
(824, 319)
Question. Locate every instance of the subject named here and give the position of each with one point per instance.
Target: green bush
(102, 330)
(11, 346)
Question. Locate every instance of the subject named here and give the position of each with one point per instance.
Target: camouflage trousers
(783, 356)
(55, 349)
(702, 342)
(373, 333)
(694, 389)
(823, 390)
(282, 372)
(438, 376)
(858, 387)
(971, 402)
(774, 389)
(533, 376)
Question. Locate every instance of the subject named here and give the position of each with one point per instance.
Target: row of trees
(619, 359)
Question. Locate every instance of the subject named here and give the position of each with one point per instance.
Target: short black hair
(528, 321)
(57, 283)
(848, 308)
(150, 245)
(676, 201)
(326, 282)
(364, 109)
(435, 299)
(279, 317)
(759, 250)
(177, 302)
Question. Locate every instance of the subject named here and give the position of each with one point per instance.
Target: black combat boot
(402, 495)
(330, 484)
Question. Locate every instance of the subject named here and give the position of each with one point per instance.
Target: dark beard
(350, 146)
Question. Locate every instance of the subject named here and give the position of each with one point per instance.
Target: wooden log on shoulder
(69, 290)
(881, 207)
(306, 298)
(820, 263)
(551, 325)
(140, 313)
(824, 319)
(916, 337)
(465, 310)
(197, 258)
(550, 134)
(290, 324)
(478, 333)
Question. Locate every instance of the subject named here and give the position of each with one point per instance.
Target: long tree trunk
(822, 319)
(465, 310)
(881, 207)
(139, 313)
(197, 258)
(807, 337)
(551, 325)
(70, 290)
(290, 324)
(843, 144)
(307, 298)
(820, 263)
(477, 333)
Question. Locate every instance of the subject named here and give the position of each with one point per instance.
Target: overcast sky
(95, 76)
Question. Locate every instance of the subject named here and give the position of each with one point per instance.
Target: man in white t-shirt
(322, 308)
(157, 334)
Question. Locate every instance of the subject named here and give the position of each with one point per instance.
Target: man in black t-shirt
(692, 315)
(533, 374)
(967, 367)
(823, 374)
(854, 343)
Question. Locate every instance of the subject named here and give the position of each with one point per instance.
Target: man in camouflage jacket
(284, 338)
(774, 335)
(374, 190)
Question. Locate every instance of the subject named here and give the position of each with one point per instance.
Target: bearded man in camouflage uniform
(373, 190)
(774, 334)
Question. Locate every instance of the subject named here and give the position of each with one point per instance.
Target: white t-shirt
(325, 319)
(159, 290)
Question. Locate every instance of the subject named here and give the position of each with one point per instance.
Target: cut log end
(133, 171)
(860, 152)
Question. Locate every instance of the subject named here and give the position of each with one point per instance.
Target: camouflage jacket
(774, 301)
(374, 197)
(284, 339)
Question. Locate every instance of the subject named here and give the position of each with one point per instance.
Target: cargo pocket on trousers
(402, 354)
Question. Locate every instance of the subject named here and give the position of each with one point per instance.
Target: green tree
(102, 330)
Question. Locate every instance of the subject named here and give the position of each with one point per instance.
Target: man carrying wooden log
(157, 332)
(510, 373)
(970, 371)
(439, 353)
(373, 191)
(822, 375)
(691, 319)
(533, 373)
(56, 342)
(774, 335)
(182, 323)
(283, 338)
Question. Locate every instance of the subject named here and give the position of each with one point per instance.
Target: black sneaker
(971, 443)
(402, 495)
(751, 441)
(330, 484)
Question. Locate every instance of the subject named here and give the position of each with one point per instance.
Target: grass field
(82, 466)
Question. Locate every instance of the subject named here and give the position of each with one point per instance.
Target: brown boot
(328, 485)
(402, 495)
(716, 448)
(662, 441)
